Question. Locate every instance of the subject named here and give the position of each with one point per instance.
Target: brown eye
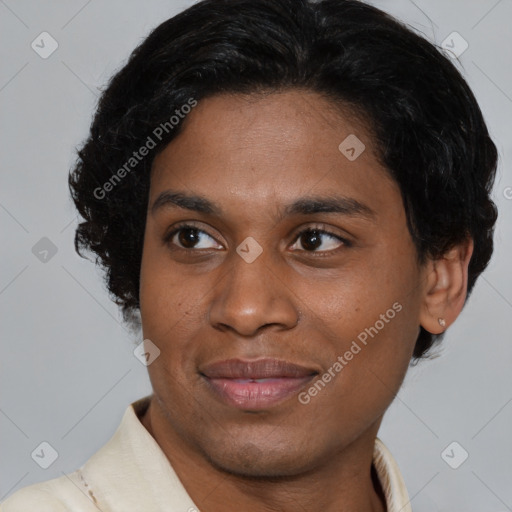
(188, 237)
(312, 239)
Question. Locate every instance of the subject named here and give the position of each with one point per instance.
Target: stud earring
(442, 322)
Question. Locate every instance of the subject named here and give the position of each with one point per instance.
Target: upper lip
(256, 369)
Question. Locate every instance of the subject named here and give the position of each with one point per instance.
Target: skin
(252, 156)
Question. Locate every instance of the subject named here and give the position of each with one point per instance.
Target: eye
(189, 237)
(312, 239)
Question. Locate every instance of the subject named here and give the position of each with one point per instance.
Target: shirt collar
(391, 480)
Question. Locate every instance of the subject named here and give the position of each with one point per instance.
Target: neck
(346, 482)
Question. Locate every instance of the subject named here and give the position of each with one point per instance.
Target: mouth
(257, 384)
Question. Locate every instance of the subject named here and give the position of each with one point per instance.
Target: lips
(256, 384)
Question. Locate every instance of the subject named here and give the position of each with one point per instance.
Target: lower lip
(246, 394)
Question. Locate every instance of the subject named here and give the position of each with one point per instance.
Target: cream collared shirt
(131, 473)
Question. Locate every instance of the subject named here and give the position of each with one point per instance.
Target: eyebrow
(301, 206)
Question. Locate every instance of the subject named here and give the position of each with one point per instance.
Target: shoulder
(61, 494)
(109, 480)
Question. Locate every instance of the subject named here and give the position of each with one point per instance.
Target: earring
(442, 322)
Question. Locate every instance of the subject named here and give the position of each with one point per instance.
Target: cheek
(370, 351)
(370, 317)
(168, 312)
(356, 296)
(167, 321)
(173, 309)
(166, 303)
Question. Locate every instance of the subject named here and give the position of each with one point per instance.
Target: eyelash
(168, 237)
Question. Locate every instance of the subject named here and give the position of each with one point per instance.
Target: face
(279, 282)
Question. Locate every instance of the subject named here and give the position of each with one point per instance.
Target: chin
(250, 461)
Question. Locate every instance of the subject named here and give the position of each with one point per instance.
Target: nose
(251, 296)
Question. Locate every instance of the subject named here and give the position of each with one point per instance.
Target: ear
(446, 288)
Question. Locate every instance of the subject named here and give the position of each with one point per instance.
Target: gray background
(68, 370)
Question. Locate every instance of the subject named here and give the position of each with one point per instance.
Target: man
(294, 196)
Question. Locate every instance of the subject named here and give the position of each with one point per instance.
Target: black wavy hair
(428, 127)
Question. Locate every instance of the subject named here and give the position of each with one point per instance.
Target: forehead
(272, 147)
